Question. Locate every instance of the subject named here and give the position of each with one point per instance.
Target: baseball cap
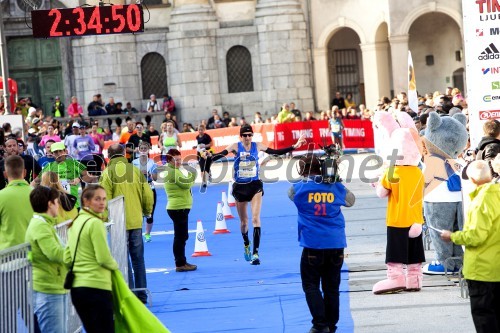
(75, 124)
(57, 146)
(245, 129)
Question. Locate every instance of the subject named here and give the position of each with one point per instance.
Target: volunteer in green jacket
(180, 201)
(122, 178)
(93, 263)
(49, 295)
(481, 237)
(14, 221)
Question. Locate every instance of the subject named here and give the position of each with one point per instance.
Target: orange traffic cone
(230, 199)
(220, 221)
(226, 210)
(200, 246)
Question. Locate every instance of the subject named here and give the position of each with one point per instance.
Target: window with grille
(239, 69)
(154, 75)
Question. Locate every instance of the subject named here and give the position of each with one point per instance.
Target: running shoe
(147, 237)
(248, 253)
(255, 260)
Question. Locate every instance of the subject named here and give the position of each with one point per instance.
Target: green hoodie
(15, 213)
(47, 255)
(122, 178)
(178, 188)
(93, 263)
(481, 235)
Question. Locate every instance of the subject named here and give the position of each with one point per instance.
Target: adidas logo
(491, 52)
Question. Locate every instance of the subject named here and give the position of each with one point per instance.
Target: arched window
(239, 69)
(154, 75)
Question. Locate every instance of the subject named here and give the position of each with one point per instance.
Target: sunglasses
(247, 135)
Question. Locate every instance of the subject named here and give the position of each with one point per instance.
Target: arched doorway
(345, 65)
(435, 51)
(458, 79)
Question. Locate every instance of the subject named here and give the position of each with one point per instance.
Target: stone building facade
(244, 56)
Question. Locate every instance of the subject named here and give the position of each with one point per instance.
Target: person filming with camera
(321, 233)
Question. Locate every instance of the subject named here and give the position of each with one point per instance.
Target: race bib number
(65, 185)
(248, 169)
(336, 128)
(152, 185)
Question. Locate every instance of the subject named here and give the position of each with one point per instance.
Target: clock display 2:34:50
(96, 20)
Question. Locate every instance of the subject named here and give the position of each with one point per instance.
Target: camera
(330, 163)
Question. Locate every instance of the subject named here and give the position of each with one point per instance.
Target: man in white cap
(152, 104)
(69, 140)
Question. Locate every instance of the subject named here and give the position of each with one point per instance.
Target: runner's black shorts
(244, 192)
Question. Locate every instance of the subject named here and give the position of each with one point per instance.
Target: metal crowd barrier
(16, 286)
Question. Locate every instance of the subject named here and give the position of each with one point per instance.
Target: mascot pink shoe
(414, 277)
(395, 281)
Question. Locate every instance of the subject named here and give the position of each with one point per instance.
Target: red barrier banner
(223, 137)
(356, 134)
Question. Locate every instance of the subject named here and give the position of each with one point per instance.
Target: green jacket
(93, 263)
(47, 255)
(178, 188)
(481, 235)
(15, 213)
(122, 178)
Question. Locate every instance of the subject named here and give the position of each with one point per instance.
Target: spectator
(349, 101)
(152, 104)
(218, 123)
(152, 131)
(225, 118)
(285, 116)
(481, 237)
(257, 119)
(67, 202)
(351, 113)
(171, 118)
(338, 101)
(168, 104)
(98, 139)
(211, 120)
(49, 136)
(95, 108)
(13, 220)
(111, 106)
(129, 110)
(324, 115)
(185, 128)
(122, 178)
(296, 112)
(93, 263)
(74, 109)
(58, 108)
(108, 135)
(118, 109)
(243, 121)
(117, 133)
(49, 272)
(233, 122)
(31, 167)
(309, 116)
(489, 146)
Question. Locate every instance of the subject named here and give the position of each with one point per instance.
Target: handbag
(67, 201)
(70, 276)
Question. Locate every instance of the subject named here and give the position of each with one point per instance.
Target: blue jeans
(136, 254)
(51, 311)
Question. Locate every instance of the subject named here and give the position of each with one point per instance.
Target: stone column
(284, 57)
(322, 78)
(376, 71)
(192, 59)
(399, 56)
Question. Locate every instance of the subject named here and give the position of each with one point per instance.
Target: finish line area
(226, 293)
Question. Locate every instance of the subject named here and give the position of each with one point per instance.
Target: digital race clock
(83, 21)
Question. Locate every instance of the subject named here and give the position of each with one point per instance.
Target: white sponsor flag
(412, 86)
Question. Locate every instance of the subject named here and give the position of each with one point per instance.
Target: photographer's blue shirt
(321, 224)
(246, 164)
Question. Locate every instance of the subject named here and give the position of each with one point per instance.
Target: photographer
(321, 229)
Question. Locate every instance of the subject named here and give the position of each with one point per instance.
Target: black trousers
(95, 309)
(322, 266)
(150, 220)
(485, 305)
(180, 219)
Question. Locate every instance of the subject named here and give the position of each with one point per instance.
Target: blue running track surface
(226, 293)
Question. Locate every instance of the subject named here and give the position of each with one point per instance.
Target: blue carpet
(226, 293)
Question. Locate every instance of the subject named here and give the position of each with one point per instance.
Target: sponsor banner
(356, 134)
(482, 57)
